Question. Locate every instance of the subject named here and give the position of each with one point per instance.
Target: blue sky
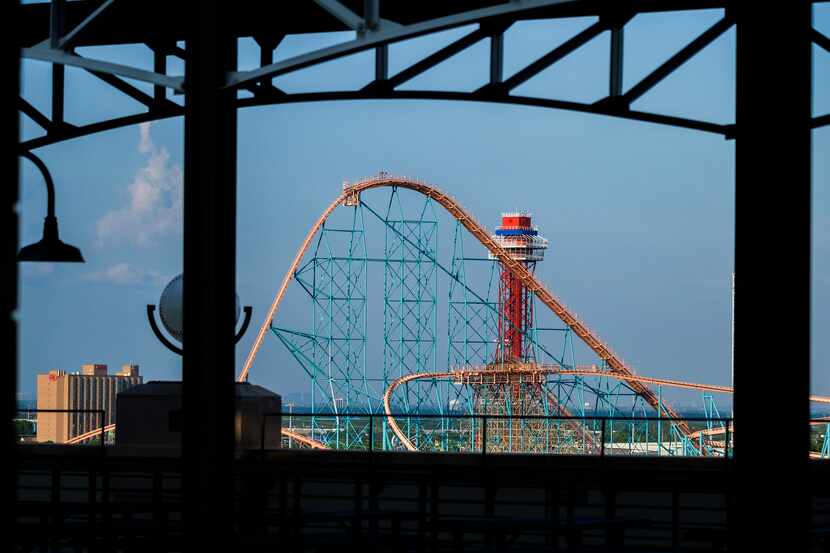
(640, 217)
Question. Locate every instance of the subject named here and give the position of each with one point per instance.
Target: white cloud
(154, 208)
(126, 274)
(145, 143)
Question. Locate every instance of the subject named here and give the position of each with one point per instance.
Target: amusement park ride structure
(498, 363)
(333, 354)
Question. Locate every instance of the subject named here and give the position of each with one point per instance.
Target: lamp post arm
(248, 310)
(47, 177)
(151, 309)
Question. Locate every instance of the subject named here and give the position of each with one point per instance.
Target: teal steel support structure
(337, 350)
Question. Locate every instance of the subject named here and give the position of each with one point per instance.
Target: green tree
(24, 428)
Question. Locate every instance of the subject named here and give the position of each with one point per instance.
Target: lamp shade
(50, 247)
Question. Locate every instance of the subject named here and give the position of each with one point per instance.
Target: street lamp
(50, 247)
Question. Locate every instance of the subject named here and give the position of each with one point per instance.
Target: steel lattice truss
(333, 352)
(54, 31)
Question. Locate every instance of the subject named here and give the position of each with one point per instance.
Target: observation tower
(522, 241)
(511, 385)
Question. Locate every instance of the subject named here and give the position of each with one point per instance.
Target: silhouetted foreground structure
(773, 150)
(304, 500)
(150, 418)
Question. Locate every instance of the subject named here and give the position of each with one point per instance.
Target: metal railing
(489, 433)
(600, 434)
(102, 418)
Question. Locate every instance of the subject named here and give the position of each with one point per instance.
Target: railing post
(726, 442)
(103, 415)
(262, 434)
(659, 421)
(484, 435)
(371, 433)
(602, 437)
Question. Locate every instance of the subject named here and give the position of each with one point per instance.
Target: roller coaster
(533, 406)
(427, 407)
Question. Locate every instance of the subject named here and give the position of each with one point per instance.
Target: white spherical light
(170, 307)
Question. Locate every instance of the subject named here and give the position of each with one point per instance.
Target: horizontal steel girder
(94, 23)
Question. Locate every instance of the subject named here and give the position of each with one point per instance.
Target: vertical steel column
(159, 66)
(371, 22)
(11, 59)
(615, 78)
(772, 253)
(497, 57)
(382, 63)
(56, 30)
(209, 282)
(371, 14)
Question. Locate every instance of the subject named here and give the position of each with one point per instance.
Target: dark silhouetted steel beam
(209, 282)
(72, 36)
(11, 61)
(685, 54)
(138, 22)
(431, 61)
(772, 256)
(497, 57)
(595, 108)
(564, 49)
(138, 95)
(34, 114)
(56, 25)
(820, 39)
(160, 67)
(66, 131)
(382, 63)
(615, 79)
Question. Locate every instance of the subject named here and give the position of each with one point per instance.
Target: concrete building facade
(90, 389)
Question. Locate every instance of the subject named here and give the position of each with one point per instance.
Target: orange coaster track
(304, 440)
(485, 374)
(351, 194)
(617, 367)
(89, 435)
(299, 438)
